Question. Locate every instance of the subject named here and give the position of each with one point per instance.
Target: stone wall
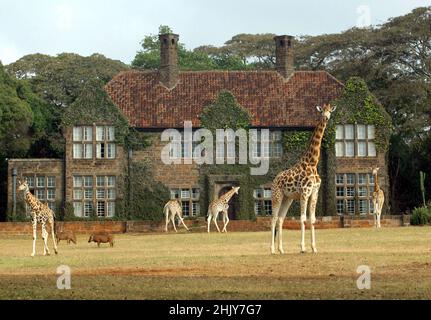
(199, 225)
(172, 176)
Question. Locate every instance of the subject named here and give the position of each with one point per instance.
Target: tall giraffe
(172, 209)
(301, 182)
(221, 205)
(40, 213)
(378, 198)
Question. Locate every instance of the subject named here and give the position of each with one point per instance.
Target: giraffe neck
(312, 156)
(226, 197)
(30, 199)
(376, 182)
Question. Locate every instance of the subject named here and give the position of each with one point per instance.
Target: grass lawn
(224, 266)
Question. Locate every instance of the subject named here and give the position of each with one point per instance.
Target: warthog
(102, 238)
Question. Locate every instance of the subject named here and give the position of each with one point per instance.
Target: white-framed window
(189, 199)
(354, 193)
(40, 194)
(78, 209)
(272, 148)
(101, 212)
(50, 194)
(43, 188)
(263, 201)
(105, 142)
(88, 209)
(96, 194)
(51, 182)
(355, 140)
(77, 134)
(40, 182)
(88, 134)
(110, 209)
(82, 142)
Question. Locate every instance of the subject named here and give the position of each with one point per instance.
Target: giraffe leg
(54, 240)
(182, 221)
(313, 203)
(34, 237)
(375, 213)
(284, 208)
(215, 222)
(227, 222)
(167, 220)
(275, 210)
(304, 203)
(45, 240)
(209, 220)
(173, 223)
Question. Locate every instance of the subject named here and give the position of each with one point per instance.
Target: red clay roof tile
(272, 100)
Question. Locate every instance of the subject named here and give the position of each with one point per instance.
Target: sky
(115, 28)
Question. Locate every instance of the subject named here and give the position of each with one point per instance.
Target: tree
(16, 118)
(53, 84)
(189, 60)
(59, 80)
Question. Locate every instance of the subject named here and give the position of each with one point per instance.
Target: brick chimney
(284, 55)
(169, 60)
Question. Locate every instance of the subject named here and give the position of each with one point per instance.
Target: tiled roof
(272, 100)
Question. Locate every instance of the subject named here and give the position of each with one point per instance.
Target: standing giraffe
(40, 213)
(172, 209)
(378, 198)
(301, 182)
(221, 205)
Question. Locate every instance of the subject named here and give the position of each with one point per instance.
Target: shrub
(421, 216)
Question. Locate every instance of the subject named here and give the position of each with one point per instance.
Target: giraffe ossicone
(300, 182)
(221, 205)
(42, 214)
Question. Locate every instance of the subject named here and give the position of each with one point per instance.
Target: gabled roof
(272, 100)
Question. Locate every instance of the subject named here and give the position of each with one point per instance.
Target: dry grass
(232, 266)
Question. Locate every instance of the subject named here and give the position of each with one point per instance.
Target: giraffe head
(326, 111)
(375, 170)
(22, 186)
(236, 189)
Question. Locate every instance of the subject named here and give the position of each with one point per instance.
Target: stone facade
(94, 167)
(33, 169)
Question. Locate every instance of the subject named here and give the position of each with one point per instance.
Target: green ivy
(295, 140)
(225, 113)
(95, 106)
(358, 105)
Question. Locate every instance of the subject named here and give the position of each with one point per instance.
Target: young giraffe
(378, 198)
(172, 209)
(221, 205)
(301, 182)
(42, 214)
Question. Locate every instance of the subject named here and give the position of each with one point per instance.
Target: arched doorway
(233, 203)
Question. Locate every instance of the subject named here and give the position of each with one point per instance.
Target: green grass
(224, 266)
